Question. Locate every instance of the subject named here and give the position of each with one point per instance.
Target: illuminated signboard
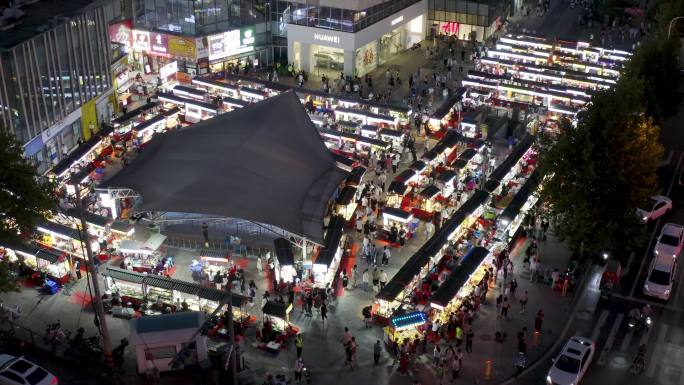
(141, 40)
(159, 44)
(449, 27)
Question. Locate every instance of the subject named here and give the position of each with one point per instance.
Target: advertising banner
(158, 44)
(141, 40)
(122, 33)
(182, 46)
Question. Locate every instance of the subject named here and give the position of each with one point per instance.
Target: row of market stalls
(434, 282)
(431, 184)
(553, 78)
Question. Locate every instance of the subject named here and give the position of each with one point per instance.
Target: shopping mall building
(353, 37)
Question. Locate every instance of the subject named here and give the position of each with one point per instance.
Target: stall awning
(442, 111)
(510, 161)
(347, 195)
(284, 252)
(276, 309)
(405, 175)
(251, 79)
(221, 165)
(392, 133)
(122, 227)
(343, 162)
(234, 102)
(212, 294)
(411, 268)
(154, 241)
(409, 320)
(521, 197)
(430, 192)
(478, 198)
(357, 174)
(446, 177)
(451, 138)
(124, 275)
(59, 229)
(186, 287)
(123, 119)
(189, 91)
(448, 290)
(397, 187)
(159, 281)
(91, 219)
(467, 154)
(396, 212)
(207, 82)
(51, 256)
(331, 244)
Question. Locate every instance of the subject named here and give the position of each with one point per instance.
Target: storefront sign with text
(449, 27)
(326, 38)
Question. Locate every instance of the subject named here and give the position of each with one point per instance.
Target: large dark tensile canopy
(265, 162)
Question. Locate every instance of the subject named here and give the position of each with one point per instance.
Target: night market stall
(38, 262)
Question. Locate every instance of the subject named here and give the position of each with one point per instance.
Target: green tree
(25, 200)
(600, 171)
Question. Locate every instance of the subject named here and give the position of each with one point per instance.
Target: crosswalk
(665, 347)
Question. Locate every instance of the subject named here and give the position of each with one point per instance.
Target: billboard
(141, 40)
(182, 46)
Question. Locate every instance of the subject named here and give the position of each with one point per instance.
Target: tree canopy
(602, 168)
(25, 201)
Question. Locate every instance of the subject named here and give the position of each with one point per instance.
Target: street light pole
(672, 22)
(99, 307)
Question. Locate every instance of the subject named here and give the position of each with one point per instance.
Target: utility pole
(99, 308)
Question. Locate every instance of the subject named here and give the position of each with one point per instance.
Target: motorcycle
(307, 375)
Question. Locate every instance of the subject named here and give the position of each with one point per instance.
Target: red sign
(449, 27)
(122, 33)
(159, 44)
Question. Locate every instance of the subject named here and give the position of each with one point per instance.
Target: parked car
(670, 240)
(656, 207)
(572, 362)
(20, 371)
(661, 276)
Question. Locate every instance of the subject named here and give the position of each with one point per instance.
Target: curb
(546, 353)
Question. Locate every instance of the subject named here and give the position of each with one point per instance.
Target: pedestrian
(345, 279)
(299, 344)
(383, 278)
(436, 355)
(377, 349)
(348, 354)
(403, 364)
(205, 233)
(440, 373)
(538, 321)
(298, 369)
(77, 266)
(365, 278)
(499, 302)
(259, 265)
(504, 308)
(470, 335)
(354, 276)
(347, 336)
(376, 277)
(523, 301)
(455, 369)
(324, 311)
(522, 340)
(459, 335)
(519, 363)
(385, 256)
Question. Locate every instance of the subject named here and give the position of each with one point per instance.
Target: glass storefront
(391, 44)
(327, 61)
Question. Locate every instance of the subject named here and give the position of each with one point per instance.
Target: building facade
(55, 80)
(354, 37)
(199, 37)
(472, 20)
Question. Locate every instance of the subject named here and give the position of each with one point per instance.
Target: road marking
(610, 340)
(653, 362)
(597, 329)
(653, 234)
(652, 303)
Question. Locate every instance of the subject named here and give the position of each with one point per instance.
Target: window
(660, 277)
(669, 240)
(37, 376)
(21, 366)
(585, 358)
(568, 364)
(12, 377)
(160, 353)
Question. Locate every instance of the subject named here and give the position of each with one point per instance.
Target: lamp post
(672, 22)
(99, 308)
